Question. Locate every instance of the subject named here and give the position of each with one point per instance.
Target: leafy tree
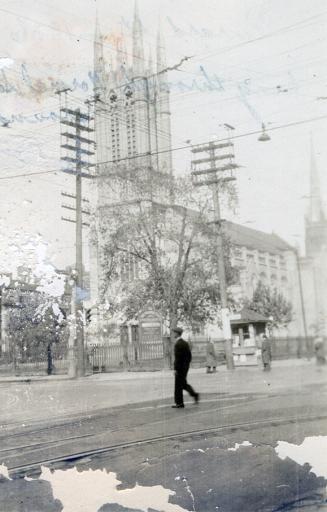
(164, 255)
(34, 324)
(271, 303)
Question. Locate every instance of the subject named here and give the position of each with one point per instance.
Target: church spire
(316, 212)
(121, 54)
(138, 51)
(150, 63)
(161, 50)
(98, 55)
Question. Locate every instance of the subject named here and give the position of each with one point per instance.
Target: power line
(224, 50)
(189, 146)
(106, 115)
(176, 97)
(26, 175)
(180, 148)
(75, 36)
(264, 36)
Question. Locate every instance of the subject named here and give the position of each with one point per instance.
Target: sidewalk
(32, 378)
(149, 374)
(285, 375)
(48, 399)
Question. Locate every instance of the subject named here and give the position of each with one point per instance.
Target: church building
(314, 263)
(133, 143)
(133, 133)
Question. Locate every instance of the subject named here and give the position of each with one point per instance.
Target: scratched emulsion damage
(6, 62)
(4, 471)
(312, 451)
(30, 251)
(238, 445)
(93, 490)
(90, 490)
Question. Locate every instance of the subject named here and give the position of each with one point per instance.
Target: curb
(126, 375)
(33, 378)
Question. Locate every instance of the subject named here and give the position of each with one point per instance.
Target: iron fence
(153, 355)
(103, 358)
(292, 347)
(36, 361)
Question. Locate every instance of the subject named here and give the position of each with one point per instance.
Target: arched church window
(273, 280)
(263, 277)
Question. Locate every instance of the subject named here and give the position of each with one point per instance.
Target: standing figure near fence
(211, 358)
(320, 351)
(266, 353)
(183, 358)
(49, 359)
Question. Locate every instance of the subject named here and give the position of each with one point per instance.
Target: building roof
(248, 316)
(254, 239)
(243, 236)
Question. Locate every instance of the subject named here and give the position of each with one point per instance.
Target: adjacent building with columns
(302, 280)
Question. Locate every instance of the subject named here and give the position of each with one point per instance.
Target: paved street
(219, 455)
(163, 205)
(50, 399)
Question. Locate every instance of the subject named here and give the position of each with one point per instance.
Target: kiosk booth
(247, 326)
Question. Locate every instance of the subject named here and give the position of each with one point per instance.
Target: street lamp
(264, 137)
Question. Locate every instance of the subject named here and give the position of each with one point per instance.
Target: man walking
(183, 358)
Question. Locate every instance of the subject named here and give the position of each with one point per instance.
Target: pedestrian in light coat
(183, 358)
(266, 353)
(320, 351)
(211, 359)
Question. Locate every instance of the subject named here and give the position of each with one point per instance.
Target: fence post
(299, 348)
(125, 356)
(49, 359)
(167, 351)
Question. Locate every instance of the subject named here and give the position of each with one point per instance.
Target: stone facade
(133, 142)
(133, 138)
(266, 257)
(314, 264)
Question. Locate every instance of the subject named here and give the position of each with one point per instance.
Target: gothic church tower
(132, 127)
(314, 265)
(132, 109)
(316, 222)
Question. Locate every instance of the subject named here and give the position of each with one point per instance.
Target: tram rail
(209, 431)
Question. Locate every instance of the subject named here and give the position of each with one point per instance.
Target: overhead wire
(71, 34)
(188, 146)
(81, 102)
(260, 38)
(286, 28)
(224, 139)
(143, 128)
(223, 50)
(269, 35)
(171, 101)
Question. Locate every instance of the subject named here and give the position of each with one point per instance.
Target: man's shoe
(197, 398)
(178, 406)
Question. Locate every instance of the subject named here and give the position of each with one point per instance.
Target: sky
(252, 62)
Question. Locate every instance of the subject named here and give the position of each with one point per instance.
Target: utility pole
(304, 318)
(79, 122)
(214, 178)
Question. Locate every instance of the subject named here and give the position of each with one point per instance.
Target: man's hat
(178, 330)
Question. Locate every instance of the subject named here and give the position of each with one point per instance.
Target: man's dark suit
(183, 358)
